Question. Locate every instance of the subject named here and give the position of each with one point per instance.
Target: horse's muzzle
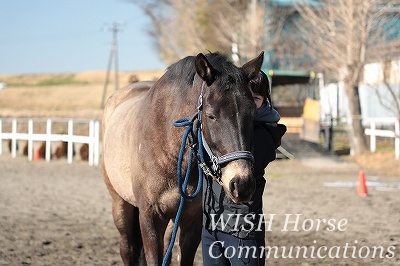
(238, 180)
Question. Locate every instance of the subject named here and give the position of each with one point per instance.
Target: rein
(194, 136)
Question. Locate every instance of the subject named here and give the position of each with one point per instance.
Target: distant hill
(86, 77)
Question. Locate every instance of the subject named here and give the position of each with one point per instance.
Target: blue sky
(66, 36)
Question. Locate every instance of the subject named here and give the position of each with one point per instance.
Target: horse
(42, 150)
(141, 148)
(10, 145)
(62, 150)
(84, 152)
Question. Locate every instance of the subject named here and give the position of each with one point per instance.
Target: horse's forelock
(217, 59)
(183, 71)
(227, 72)
(230, 78)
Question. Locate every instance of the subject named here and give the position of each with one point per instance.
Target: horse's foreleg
(189, 238)
(126, 219)
(153, 229)
(168, 235)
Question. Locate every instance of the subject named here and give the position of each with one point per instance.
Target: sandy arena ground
(59, 214)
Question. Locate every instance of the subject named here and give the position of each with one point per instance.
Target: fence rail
(92, 138)
(373, 132)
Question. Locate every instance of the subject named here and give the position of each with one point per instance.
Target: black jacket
(243, 220)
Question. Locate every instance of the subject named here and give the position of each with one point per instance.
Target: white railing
(92, 139)
(373, 132)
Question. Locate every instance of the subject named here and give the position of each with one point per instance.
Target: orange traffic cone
(362, 186)
(36, 155)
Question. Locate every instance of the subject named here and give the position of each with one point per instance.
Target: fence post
(91, 142)
(30, 139)
(372, 137)
(48, 142)
(1, 137)
(97, 143)
(13, 140)
(70, 152)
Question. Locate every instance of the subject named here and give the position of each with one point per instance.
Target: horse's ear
(204, 69)
(252, 67)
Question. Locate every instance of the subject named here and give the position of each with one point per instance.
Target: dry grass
(379, 163)
(63, 101)
(81, 98)
(87, 77)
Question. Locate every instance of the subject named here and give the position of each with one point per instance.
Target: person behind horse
(234, 234)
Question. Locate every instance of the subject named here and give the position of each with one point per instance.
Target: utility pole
(235, 49)
(113, 55)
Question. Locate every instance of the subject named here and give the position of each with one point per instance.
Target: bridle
(194, 135)
(197, 142)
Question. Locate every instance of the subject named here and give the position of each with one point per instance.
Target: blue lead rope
(188, 123)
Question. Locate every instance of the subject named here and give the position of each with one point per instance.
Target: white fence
(373, 132)
(92, 139)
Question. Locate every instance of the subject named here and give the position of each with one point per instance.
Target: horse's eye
(211, 117)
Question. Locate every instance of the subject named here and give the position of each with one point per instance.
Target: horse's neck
(172, 99)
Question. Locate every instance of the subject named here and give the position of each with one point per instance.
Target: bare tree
(388, 54)
(391, 99)
(339, 34)
(236, 22)
(254, 25)
(283, 38)
(186, 27)
(175, 28)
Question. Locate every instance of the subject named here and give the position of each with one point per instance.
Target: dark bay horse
(141, 147)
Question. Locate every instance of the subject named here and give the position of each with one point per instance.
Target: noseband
(197, 143)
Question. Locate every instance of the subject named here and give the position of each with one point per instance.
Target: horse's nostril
(233, 188)
(242, 188)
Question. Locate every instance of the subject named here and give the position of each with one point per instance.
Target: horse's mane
(183, 71)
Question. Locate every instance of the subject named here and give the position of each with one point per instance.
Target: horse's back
(128, 92)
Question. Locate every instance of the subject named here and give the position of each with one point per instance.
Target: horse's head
(227, 120)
